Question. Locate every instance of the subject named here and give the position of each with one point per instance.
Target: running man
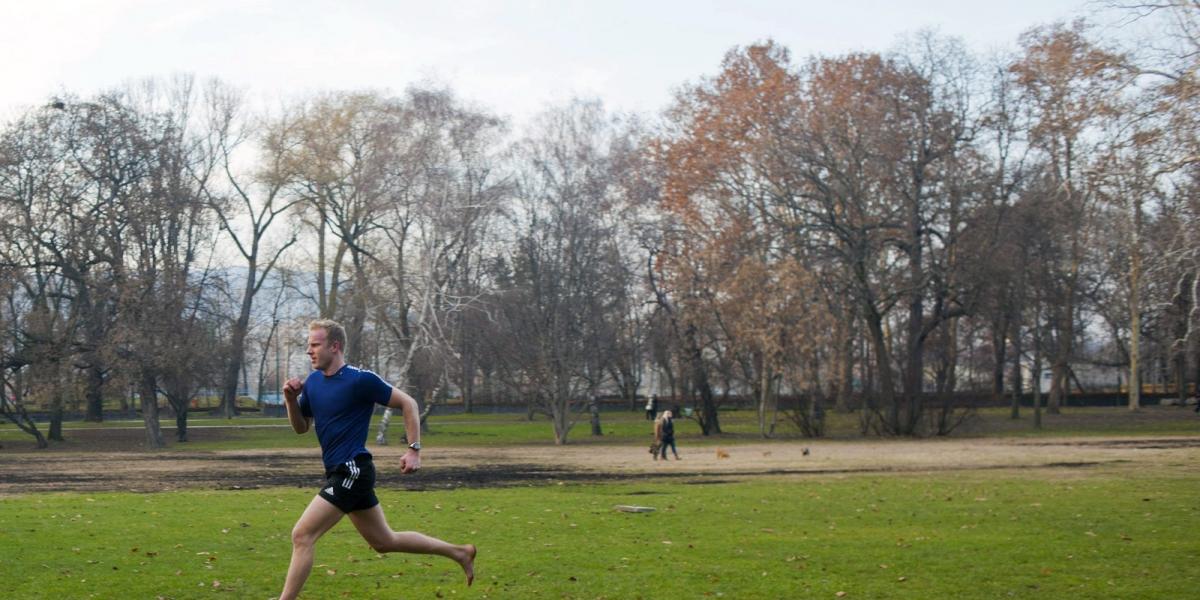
(339, 400)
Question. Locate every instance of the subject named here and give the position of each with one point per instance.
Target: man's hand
(410, 462)
(291, 389)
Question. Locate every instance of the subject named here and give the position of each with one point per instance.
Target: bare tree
(443, 192)
(567, 274)
(336, 151)
(1071, 86)
(248, 207)
(168, 235)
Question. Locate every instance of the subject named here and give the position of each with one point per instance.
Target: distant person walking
(339, 400)
(651, 407)
(664, 433)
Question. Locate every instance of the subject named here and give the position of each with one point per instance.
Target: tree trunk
(1192, 334)
(594, 409)
(948, 382)
(1015, 380)
(1037, 375)
(384, 422)
(764, 390)
(914, 370)
(1060, 357)
(148, 389)
(56, 404)
(94, 392)
(55, 432)
(999, 358)
(468, 381)
(709, 421)
(15, 412)
(181, 417)
(887, 390)
(489, 387)
(423, 416)
(845, 367)
(237, 348)
(560, 418)
(914, 348)
(1135, 311)
(1058, 386)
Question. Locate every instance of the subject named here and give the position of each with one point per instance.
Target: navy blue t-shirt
(341, 407)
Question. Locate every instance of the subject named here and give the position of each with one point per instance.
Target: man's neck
(334, 367)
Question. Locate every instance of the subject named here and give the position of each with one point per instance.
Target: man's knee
(303, 536)
(381, 542)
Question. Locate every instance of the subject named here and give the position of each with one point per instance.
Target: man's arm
(291, 400)
(411, 461)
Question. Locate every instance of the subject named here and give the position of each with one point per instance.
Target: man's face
(319, 350)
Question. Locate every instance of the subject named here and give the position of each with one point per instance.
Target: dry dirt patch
(104, 470)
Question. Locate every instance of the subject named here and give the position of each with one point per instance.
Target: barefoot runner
(339, 399)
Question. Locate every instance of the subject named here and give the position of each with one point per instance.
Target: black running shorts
(351, 485)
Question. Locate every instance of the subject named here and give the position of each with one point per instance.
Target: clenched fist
(291, 389)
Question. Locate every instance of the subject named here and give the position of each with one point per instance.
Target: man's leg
(318, 518)
(373, 527)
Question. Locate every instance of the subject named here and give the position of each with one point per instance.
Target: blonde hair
(334, 332)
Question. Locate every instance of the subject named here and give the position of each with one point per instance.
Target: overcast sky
(511, 56)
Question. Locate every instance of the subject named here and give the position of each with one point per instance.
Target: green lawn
(943, 536)
(621, 427)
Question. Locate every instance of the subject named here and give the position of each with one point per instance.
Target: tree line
(874, 231)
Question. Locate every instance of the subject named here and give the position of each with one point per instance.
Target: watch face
(415, 445)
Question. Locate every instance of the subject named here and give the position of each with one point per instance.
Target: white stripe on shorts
(349, 481)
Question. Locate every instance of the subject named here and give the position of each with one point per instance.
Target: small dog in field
(654, 450)
(721, 453)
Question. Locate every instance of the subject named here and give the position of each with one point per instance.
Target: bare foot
(468, 563)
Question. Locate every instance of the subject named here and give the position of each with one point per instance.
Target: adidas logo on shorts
(329, 490)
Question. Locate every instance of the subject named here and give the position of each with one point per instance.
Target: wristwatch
(415, 446)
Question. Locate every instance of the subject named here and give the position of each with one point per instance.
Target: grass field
(969, 536)
(621, 427)
(1099, 526)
